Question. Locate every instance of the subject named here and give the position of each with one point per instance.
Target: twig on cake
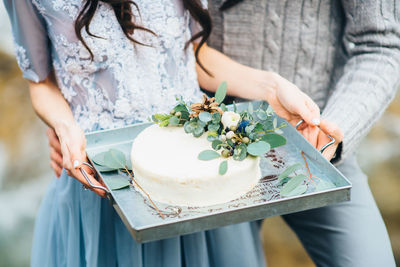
(148, 196)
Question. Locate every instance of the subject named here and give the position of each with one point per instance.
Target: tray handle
(325, 146)
(90, 182)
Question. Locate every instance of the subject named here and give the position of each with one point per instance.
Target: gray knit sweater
(344, 54)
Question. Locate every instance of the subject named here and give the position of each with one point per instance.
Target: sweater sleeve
(371, 71)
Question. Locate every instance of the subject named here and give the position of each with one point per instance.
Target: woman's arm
(288, 101)
(52, 108)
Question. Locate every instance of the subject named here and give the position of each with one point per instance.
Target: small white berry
(230, 134)
(222, 137)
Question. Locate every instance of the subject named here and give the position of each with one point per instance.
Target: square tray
(145, 225)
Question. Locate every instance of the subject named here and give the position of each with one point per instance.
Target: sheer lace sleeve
(30, 39)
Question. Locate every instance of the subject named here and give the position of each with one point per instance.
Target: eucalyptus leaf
(289, 170)
(270, 110)
(223, 167)
(221, 92)
(250, 108)
(299, 190)
(105, 169)
(223, 107)
(114, 159)
(284, 181)
(188, 127)
(116, 183)
(213, 127)
(99, 158)
(181, 108)
(258, 148)
(205, 116)
(240, 152)
(262, 115)
(216, 144)
(216, 118)
(173, 121)
(198, 131)
(292, 184)
(211, 138)
(208, 155)
(234, 106)
(274, 140)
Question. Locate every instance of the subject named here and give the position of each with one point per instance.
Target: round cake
(166, 165)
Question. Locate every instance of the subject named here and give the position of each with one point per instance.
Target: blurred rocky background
(25, 171)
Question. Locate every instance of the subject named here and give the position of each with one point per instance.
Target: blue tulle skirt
(75, 227)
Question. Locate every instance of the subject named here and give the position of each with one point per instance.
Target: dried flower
(208, 105)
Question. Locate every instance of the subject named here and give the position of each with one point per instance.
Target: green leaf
(208, 155)
(249, 128)
(181, 108)
(114, 159)
(234, 107)
(212, 133)
(205, 116)
(223, 107)
(258, 148)
(216, 118)
(213, 127)
(250, 108)
(198, 131)
(284, 181)
(262, 115)
(164, 123)
(216, 144)
(117, 183)
(161, 117)
(188, 127)
(221, 92)
(299, 190)
(240, 152)
(324, 185)
(99, 158)
(223, 167)
(274, 140)
(173, 121)
(289, 170)
(292, 184)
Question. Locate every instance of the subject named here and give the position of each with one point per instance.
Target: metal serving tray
(145, 224)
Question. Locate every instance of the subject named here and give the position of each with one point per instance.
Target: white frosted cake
(166, 165)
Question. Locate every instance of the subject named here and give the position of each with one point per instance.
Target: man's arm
(371, 71)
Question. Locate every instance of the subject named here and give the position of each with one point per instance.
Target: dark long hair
(126, 19)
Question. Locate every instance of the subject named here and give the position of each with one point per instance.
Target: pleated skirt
(75, 227)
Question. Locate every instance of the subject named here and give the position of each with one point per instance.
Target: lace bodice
(125, 83)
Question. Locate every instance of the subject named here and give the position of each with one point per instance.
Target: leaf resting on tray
(111, 160)
(289, 170)
(116, 183)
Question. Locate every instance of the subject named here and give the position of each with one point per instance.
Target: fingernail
(316, 121)
(76, 164)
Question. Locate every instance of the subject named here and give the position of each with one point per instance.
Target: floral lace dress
(123, 84)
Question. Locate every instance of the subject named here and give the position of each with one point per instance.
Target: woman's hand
(67, 146)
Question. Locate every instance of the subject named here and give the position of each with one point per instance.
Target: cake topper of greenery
(251, 132)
